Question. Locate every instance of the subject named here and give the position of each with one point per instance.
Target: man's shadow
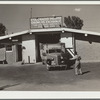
(86, 72)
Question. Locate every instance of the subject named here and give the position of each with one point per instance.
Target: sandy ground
(37, 78)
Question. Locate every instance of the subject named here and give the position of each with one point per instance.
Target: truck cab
(53, 55)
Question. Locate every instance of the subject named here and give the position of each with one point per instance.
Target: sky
(16, 17)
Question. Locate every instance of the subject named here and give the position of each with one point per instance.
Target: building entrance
(45, 38)
(19, 52)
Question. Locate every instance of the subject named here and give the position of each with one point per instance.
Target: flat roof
(50, 30)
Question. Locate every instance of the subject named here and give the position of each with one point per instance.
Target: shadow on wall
(48, 38)
(89, 38)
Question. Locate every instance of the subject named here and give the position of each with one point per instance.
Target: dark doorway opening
(19, 48)
(45, 38)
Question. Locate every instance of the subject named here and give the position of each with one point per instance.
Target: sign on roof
(46, 22)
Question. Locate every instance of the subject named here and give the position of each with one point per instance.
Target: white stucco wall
(67, 39)
(2, 54)
(28, 53)
(11, 55)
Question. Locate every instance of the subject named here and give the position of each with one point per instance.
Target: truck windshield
(55, 51)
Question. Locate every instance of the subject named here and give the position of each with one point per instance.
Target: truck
(53, 55)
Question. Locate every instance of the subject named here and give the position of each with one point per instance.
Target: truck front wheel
(43, 62)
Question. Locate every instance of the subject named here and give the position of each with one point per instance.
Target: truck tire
(66, 67)
(43, 62)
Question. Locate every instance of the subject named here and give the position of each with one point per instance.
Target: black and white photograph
(49, 47)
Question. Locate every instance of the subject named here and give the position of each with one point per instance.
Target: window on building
(1, 46)
(9, 48)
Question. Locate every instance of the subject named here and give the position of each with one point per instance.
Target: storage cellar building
(25, 46)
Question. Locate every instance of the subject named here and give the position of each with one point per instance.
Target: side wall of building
(2, 53)
(11, 55)
(88, 47)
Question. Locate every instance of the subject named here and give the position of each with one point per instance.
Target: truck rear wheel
(66, 67)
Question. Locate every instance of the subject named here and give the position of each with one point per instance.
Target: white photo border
(50, 94)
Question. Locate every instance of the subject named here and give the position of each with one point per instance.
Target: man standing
(77, 59)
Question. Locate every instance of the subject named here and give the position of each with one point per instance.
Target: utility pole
(31, 13)
(30, 17)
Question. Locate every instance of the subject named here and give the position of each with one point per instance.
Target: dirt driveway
(37, 78)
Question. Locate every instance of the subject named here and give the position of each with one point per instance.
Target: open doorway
(19, 52)
(45, 38)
